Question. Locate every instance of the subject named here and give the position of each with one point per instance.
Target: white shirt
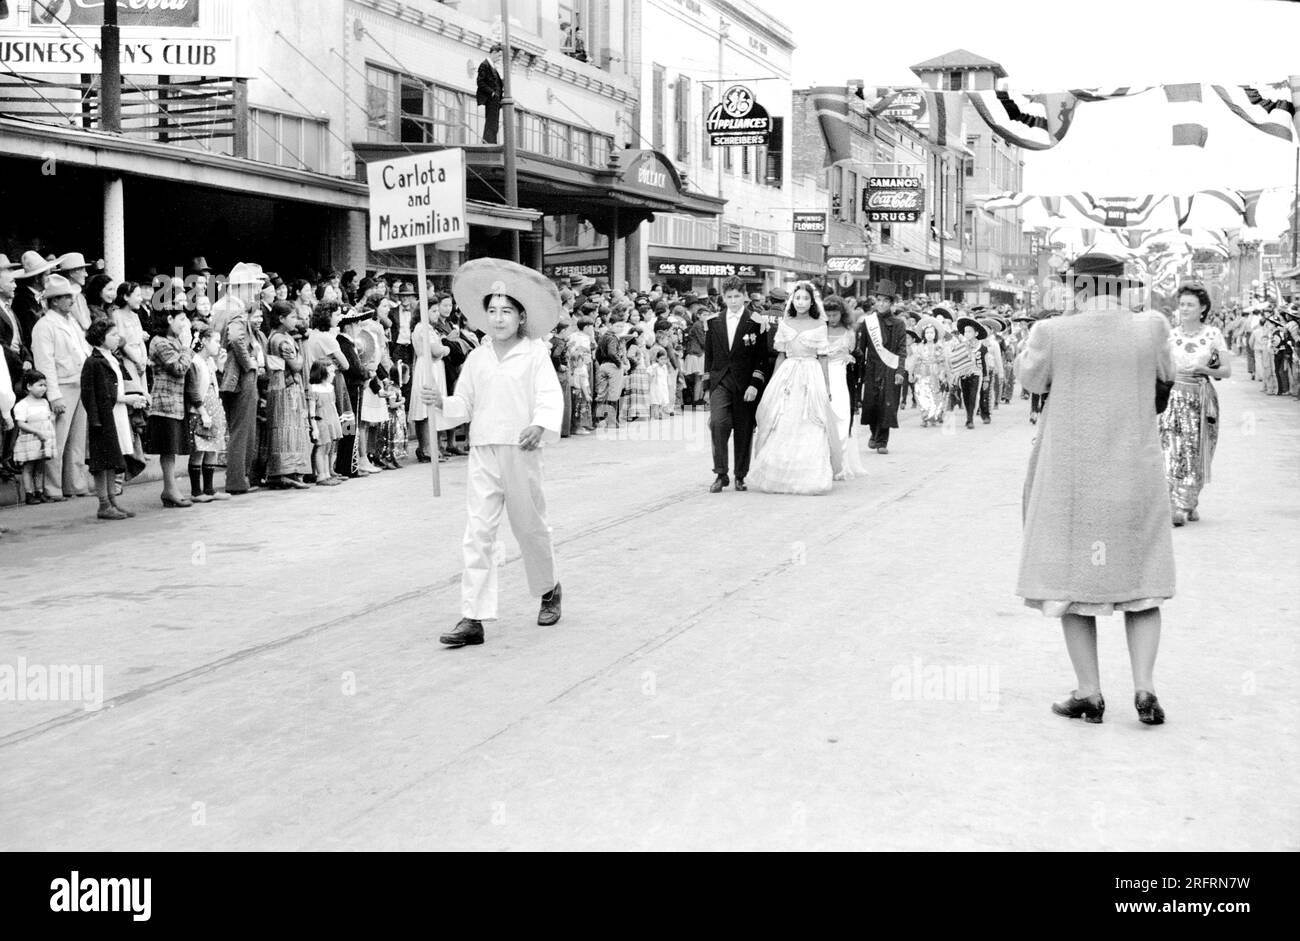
(59, 350)
(501, 397)
(733, 321)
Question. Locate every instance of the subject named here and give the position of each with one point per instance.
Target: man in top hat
(73, 266)
(59, 350)
(879, 349)
(489, 91)
(28, 305)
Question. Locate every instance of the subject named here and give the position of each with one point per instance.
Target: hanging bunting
(1266, 107)
(1034, 122)
(831, 105)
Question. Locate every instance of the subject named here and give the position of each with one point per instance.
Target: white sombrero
(477, 280)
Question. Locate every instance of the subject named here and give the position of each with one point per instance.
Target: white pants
(65, 473)
(503, 477)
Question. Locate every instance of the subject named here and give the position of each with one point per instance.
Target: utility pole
(110, 91)
(943, 228)
(1295, 209)
(508, 117)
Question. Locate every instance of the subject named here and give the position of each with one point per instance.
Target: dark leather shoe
(740, 484)
(1090, 709)
(970, 424)
(466, 633)
(1148, 708)
(718, 483)
(550, 612)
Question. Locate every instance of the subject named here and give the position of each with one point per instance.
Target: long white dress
(797, 445)
(839, 353)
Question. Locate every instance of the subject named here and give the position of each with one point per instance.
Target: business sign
(810, 222)
(701, 269)
(41, 53)
(738, 120)
(417, 200)
(169, 13)
(586, 269)
(852, 264)
(893, 199)
(908, 106)
(648, 172)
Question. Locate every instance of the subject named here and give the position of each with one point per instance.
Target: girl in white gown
(840, 339)
(798, 444)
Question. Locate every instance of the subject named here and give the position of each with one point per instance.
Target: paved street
(734, 671)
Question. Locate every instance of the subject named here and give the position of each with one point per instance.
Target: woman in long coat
(1096, 521)
(109, 447)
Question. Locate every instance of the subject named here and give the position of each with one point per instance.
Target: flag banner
(1034, 122)
(831, 105)
(1266, 107)
(1105, 94)
(1131, 212)
(1187, 133)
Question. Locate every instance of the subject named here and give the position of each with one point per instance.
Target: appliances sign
(738, 120)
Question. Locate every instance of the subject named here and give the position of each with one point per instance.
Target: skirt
(212, 438)
(29, 447)
(693, 364)
(288, 446)
(797, 443)
(167, 436)
(1189, 434)
(638, 395)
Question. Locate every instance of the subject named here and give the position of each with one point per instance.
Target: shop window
(744, 161)
(416, 123)
(581, 141)
(774, 169)
(956, 81)
(706, 105)
(682, 117)
(381, 105)
(657, 108)
(886, 235)
(558, 140)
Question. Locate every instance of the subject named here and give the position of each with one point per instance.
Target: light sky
(1114, 148)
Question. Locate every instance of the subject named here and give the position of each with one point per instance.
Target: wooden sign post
(423, 288)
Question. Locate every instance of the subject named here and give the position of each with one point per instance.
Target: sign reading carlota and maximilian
(893, 199)
(738, 120)
(417, 200)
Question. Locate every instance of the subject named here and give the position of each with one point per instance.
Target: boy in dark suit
(735, 359)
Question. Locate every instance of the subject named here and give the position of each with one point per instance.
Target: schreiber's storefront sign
(417, 200)
(586, 269)
(702, 269)
(738, 120)
(893, 199)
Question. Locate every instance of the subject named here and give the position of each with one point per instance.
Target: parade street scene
(648, 425)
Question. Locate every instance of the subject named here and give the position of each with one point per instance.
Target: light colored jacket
(59, 350)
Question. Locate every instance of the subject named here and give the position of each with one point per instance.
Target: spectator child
(35, 444)
(659, 383)
(207, 417)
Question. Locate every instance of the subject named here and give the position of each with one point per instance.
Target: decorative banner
(908, 106)
(810, 222)
(1132, 211)
(831, 105)
(1034, 122)
(738, 120)
(417, 200)
(1270, 108)
(893, 199)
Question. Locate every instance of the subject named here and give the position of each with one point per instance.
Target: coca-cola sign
(893, 199)
(153, 13)
(852, 264)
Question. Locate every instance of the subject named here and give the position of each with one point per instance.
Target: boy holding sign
(508, 393)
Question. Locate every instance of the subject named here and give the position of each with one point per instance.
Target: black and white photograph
(639, 426)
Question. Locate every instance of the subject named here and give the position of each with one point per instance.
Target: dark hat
(688, 299)
(885, 287)
(1023, 318)
(199, 265)
(713, 291)
(354, 314)
(941, 311)
(1102, 265)
(778, 296)
(980, 330)
(916, 337)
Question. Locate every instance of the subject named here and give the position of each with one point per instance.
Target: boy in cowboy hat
(508, 392)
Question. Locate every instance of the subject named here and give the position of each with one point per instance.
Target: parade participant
(840, 340)
(928, 362)
(735, 358)
(35, 447)
(1189, 425)
(59, 351)
(171, 355)
(1096, 479)
(509, 395)
(288, 431)
(797, 442)
(109, 446)
(207, 419)
(965, 357)
(879, 349)
(990, 357)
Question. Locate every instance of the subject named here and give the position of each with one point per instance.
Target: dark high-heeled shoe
(1148, 708)
(1090, 709)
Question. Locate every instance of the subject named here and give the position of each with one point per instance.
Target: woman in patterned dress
(1189, 426)
(927, 361)
(288, 454)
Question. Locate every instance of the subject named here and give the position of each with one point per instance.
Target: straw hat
(6, 264)
(477, 280)
(71, 262)
(56, 285)
(33, 265)
(981, 332)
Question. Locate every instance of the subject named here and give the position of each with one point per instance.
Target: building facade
(690, 53)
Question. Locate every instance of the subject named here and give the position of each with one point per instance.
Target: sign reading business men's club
(893, 199)
(814, 222)
(417, 200)
(738, 120)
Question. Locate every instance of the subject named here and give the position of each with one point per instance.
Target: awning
(125, 155)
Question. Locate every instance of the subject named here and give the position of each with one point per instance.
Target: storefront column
(114, 227)
(354, 241)
(638, 258)
(617, 253)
